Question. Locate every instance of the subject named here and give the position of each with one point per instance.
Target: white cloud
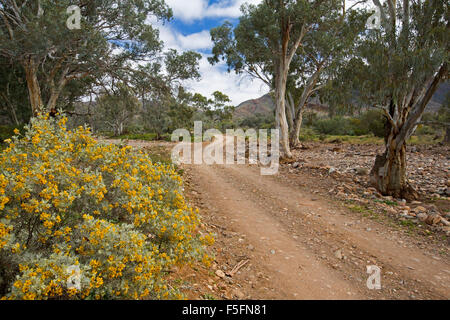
(231, 9)
(188, 10)
(191, 10)
(196, 41)
(214, 78)
(238, 87)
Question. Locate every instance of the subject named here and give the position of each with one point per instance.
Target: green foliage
(423, 130)
(214, 113)
(258, 121)
(444, 112)
(14, 103)
(63, 64)
(309, 118)
(182, 66)
(374, 121)
(6, 132)
(308, 134)
(335, 126)
(115, 110)
(251, 45)
(255, 45)
(369, 122)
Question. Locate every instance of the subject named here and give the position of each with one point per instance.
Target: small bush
(359, 127)
(307, 134)
(138, 136)
(309, 118)
(334, 126)
(423, 130)
(370, 122)
(374, 121)
(67, 201)
(257, 121)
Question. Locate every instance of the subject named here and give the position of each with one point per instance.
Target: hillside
(439, 97)
(265, 104)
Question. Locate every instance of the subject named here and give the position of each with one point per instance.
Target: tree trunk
(14, 115)
(280, 90)
(52, 101)
(56, 90)
(447, 135)
(121, 129)
(34, 89)
(294, 138)
(290, 111)
(388, 174)
(10, 107)
(54, 96)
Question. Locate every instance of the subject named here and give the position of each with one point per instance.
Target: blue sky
(189, 30)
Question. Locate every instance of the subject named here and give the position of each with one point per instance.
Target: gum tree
(264, 44)
(288, 45)
(35, 35)
(398, 69)
(324, 49)
(160, 87)
(116, 109)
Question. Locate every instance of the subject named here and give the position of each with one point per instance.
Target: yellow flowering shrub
(66, 200)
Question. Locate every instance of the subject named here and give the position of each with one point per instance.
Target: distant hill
(439, 97)
(265, 104)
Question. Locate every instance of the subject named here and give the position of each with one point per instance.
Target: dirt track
(301, 245)
(308, 247)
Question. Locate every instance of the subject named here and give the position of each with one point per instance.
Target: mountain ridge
(265, 105)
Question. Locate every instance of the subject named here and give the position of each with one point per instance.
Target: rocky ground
(344, 170)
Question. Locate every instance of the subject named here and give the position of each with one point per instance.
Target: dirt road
(308, 247)
(303, 245)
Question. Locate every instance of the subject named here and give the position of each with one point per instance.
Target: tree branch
(420, 105)
(297, 43)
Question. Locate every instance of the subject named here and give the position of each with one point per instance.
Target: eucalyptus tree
(398, 67)
(36, 36)
(116, 109)
(325, 48)
(288, 45)
(160, 87)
